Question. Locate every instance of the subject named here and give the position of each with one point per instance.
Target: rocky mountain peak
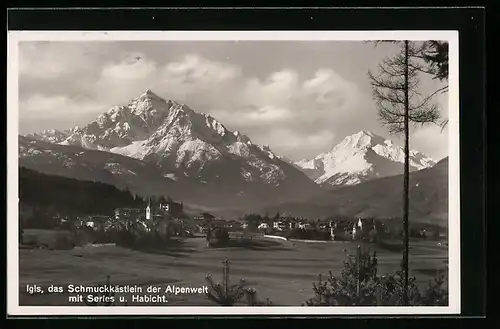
(359, 157)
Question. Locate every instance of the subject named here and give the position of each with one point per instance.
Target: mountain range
(381, 198)
(158, 146)
(154, 146)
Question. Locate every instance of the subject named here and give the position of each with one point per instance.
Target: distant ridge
(382, 198)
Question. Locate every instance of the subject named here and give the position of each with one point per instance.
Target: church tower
(148, 210)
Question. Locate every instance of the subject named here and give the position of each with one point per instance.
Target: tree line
(43, 196)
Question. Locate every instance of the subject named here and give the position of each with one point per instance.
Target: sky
(298, 97)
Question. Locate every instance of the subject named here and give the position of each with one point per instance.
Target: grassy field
(280, 270)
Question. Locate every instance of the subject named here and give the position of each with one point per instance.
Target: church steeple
(148, 210)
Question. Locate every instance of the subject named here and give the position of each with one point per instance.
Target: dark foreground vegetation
(360, 284)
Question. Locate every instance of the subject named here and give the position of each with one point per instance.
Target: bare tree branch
(388, 89)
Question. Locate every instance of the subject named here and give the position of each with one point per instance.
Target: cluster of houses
(158, 217)
(204, 221)
(169, 217)
(345, 229)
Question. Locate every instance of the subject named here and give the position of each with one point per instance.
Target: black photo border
(470, 22)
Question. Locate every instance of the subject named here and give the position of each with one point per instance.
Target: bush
(356, 286)
(437, 291)
(360, 285)
(390, 290)
(224, 293)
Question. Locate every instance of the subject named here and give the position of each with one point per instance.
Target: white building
(304, 225)
(165, 206)
(360, 224)
(332, 233)
(263, 226)
(279, 225)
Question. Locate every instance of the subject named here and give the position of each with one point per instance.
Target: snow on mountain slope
(84, 164)
(122, 125)
(195, 148)
(360, 157)
(51, 136)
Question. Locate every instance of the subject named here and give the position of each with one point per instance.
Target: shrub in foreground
(224, 293)
(360, 285)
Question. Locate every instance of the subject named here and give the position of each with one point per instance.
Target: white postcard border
(14, 37)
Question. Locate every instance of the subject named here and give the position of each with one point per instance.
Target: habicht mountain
(189, 148)
(382, 198)
(361, 157)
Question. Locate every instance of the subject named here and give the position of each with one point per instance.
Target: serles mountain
(192, 149)
(361, 157)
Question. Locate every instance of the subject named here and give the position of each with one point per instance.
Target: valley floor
(282, 271)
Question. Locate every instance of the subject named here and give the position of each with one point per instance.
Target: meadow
(282, 271)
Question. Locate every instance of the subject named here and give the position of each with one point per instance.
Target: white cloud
(187, 78)
(40, 105)
(193, 74)
(321, 139)
(327, 87)
(279, 89)
(133, 67)
(193, 68)
(283, 98)
(268, 114)
(430, 140)
(286, 140)
(53, 60)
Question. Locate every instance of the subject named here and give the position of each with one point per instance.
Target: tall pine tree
(400, 104)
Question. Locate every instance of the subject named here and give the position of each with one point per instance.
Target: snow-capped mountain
(51, 136)
(188, 147)
(360, 157)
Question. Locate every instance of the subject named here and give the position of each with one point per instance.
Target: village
(166, 219)
(163, 238)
